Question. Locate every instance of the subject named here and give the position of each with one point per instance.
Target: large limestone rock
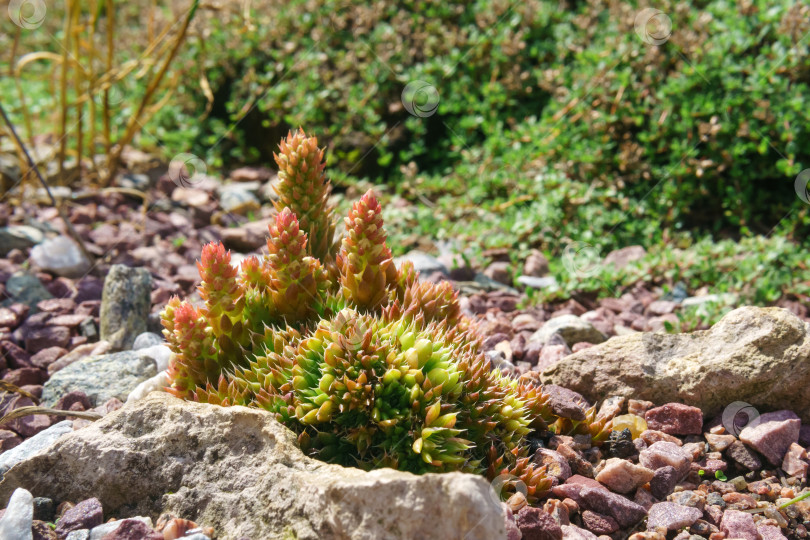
(239, 471)
(757, 355)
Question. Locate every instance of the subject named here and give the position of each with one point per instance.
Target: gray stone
(18, 518)
(61, 256)
(146, 340)
(81, 534)
(140, 182)
(489, 284)
(125, 305)
(241, 472)
(34, 445)
(236, 199)
(571, 328)
(422, 262)
(25, 289)
(161, 354)
(458, 269)
(87, 328)
(19, 237)
(100, 377)
(43, 509)
(757, 355)
(252, 186)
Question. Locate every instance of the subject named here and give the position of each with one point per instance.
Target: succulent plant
(364, 261)
(304, 189)
(370, 366)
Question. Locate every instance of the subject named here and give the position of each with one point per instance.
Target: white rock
(97, 533)
(727, 298)
(161, 354)
(19, 516)
(81, 534)
(146, 340)
(548, 282)
(156, 383)
(238, 470)
(35, 444)
(571, 328)
(61, 256)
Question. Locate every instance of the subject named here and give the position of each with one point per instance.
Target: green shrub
(706, 128)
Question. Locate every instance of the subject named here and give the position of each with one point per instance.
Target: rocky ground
(82, 335)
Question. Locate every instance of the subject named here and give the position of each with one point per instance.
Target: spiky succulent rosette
(304, 189)
(297, 281)
(370, 366)
(405, 394)
(219, 288)
(596, 427)
(434, 301)
(364, 261)
(195, 361)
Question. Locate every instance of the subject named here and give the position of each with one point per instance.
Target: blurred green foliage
(556, 122)
(707, 129)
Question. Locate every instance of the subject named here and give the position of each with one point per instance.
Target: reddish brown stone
(599, 523)
(133, 529)
(675, 419)
(25, 376)
(13, 356)
(85, 515)
(43, 337)
(33, 389)
(57, 305)
(48, 356)
(535, 524)
(772, 434)
(8, 440)
(41, 531)
(8, 319)
(26, 426)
